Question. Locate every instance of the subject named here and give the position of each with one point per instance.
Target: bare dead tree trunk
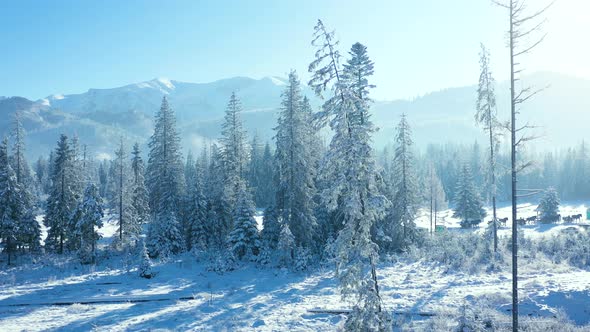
(518, 30)
(513, 177)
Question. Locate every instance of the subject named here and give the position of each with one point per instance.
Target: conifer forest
(312, 201)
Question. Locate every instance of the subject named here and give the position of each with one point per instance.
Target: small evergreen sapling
(145, 264)
(549, 206)
(244, 238)
(164, 238)
(286, 246)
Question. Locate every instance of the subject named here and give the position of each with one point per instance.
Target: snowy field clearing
(185, 296)
(504, 211)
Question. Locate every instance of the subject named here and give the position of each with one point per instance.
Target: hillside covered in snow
(100, 116)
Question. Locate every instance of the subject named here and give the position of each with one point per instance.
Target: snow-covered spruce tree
(29, 231)
(145, 264)
(139, 193)
(468, 205)
(17, 160)
(548, 208)
(486, 116)
(88, 218)
(266, 181)
(271, 228)
(244, 238)
(129, 226)
(164, 238)
(217, 207)
(400, 228)
(165, 181)
(78, 180)
(63, 198)
(350, 171)
(78, 184)
(315, 143)
(234, 156)
(294, 167)
(286, 246)
(260, 174)
(255, 175)
(196, 211)
(11, 204)
(165, 169)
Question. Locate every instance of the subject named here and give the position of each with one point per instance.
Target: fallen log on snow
(99, 300)
(348, 311)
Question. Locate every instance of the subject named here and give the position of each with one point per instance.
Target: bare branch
(529, 96)
(524, 139)
(537, 14)
(526, 126)
(531, 47)
(498, 3)
(529, 194)
(524, 166)
(536, 28)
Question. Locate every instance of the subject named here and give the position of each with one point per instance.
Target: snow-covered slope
(60, 294)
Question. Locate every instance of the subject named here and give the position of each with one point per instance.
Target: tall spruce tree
(139, 193)
(129, 226)
(11, 203)
(63, 198)
(218, 208)
(165, 180)
(351, 174)
(196, 210)
(29, 230)
(234, 157)
(405, 195)
(18, 161)
(294, 165)
(88, 218)
(486, 116)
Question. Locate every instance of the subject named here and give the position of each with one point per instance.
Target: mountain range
(100, 116)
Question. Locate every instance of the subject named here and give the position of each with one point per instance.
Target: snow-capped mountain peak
(165, 81)
(165, 85)
(277, 80)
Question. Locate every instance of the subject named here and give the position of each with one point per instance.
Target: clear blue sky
(418, 46)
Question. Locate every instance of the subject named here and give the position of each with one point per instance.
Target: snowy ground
(524, 210)
(185, 296)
